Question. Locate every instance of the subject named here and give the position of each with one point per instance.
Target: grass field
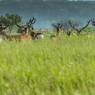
(46, 67)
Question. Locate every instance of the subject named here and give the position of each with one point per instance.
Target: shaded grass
(47, 67)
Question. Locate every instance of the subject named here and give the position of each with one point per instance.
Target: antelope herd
(21, 37)
(27, 31)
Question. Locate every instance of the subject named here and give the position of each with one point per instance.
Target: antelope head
(21, 28)
(30, 24)
(3, 29)
(58, 28)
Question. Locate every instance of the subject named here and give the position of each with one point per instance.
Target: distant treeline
(49, 12)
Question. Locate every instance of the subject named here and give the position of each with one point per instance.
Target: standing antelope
(59, 29)
(21, 37)
(32, 33)
(21, 28)
(79, 31)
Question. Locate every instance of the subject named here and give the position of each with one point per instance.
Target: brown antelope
(30, 26)
(21, 28)
(59, 29)
(32, 33)
(21, 37)
(79, 31)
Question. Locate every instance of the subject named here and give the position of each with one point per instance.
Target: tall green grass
(46, 67)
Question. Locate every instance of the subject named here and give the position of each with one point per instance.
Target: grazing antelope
(32, 33)
(59, 29)
(21, 37)
(79, 31)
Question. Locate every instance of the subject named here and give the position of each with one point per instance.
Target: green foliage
(10, 19)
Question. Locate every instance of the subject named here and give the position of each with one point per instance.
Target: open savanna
(46, 67)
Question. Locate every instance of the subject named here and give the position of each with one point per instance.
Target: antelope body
(31, 32)
(36, 35)
(54, 37)
(59, 29)
(21, 37)
(39, 35)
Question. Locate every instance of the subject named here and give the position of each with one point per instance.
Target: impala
(79, 31)
(32, 33)
(21, 28)
(59, 29)
(31, 30)
(21, 37)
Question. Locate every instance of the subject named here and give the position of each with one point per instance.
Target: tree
(10, 20)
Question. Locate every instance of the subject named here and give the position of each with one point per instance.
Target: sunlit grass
(47, 67)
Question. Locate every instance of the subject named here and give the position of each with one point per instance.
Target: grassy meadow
(46, 67)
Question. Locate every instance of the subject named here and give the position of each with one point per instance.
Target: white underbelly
(40, 36)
